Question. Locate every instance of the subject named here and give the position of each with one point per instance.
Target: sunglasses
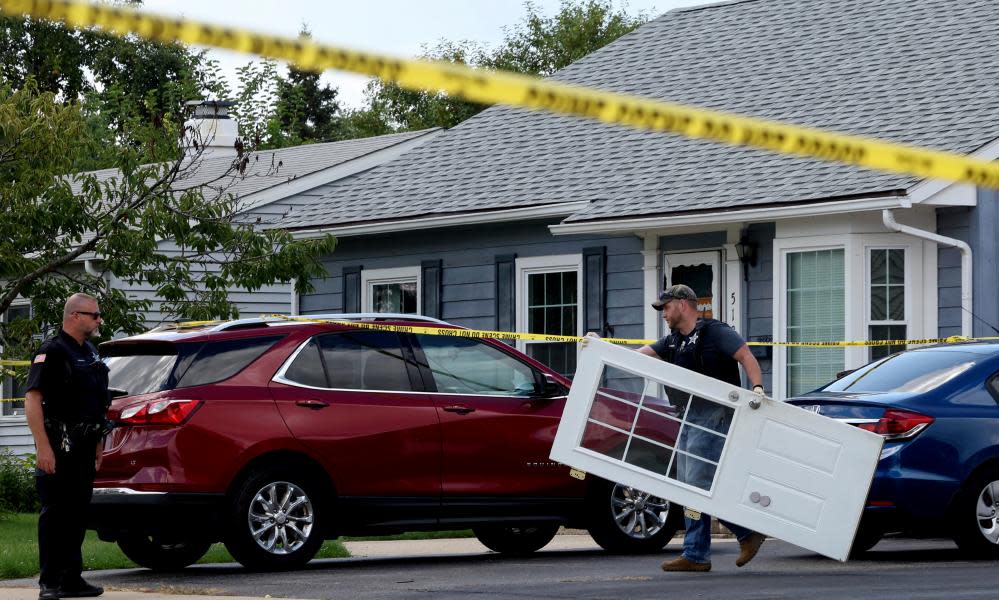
(94, 315)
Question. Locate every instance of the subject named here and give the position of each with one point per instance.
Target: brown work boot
(748, 548)
(682, 564)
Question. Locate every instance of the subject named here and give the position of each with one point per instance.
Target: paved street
(898, 568)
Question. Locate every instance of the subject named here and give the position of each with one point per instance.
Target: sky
(396, 27)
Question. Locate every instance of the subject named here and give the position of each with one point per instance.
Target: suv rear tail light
(898, 424)
(159, 412)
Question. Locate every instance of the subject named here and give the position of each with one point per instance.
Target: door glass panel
(657, 428)
(464, 366)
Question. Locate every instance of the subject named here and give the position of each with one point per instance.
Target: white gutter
(728, 216)
(966, 300)
(561, 209)
(88, 266)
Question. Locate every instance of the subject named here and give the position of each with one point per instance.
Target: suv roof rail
(372, 316)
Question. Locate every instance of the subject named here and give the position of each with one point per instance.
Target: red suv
(272, 435)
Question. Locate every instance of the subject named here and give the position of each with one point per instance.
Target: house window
(548, 303)
(816, 311)
(886, 299)
(391, 290)
(14, 387)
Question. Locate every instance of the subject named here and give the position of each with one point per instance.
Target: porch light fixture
(746, 249)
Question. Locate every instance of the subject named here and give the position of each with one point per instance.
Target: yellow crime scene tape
(497, 87)
(540, 337)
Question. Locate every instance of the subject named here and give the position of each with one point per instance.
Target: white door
(777, 469)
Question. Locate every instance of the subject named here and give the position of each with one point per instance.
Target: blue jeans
(701, 443)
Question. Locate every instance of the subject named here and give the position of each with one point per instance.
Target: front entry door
(777, 469)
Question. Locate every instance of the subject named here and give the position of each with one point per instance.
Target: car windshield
(919, 371)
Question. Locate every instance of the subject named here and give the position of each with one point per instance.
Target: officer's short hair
(75, 303)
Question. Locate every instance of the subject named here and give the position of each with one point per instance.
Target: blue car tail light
(898, 424)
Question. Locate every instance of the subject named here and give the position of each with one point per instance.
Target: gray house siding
(954, 223)
(976, 226)
(759, 291)
(468, 258)
(15, 435)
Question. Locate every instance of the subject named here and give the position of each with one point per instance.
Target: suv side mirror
(548, 387)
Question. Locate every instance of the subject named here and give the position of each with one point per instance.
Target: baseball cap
(674, 292)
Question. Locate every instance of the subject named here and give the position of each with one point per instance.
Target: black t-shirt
(72, 379)
(707, 350)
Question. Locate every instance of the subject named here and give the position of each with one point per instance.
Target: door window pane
(464, 366)
(365, 360)
(816, 311)
(699, 278)
(552, 308)
(658, 428)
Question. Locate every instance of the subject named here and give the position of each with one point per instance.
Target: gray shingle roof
(268, 168)
(916, 71)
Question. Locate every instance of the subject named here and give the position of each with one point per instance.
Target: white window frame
(547, 264)
(371, 277)
(908, 250)
(784, 247)
(690, 259)
(920, 266)
(4, 392)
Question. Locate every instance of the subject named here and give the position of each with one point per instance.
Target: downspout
(966, 301)
(88, 266)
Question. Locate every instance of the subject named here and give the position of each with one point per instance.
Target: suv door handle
(461, 409)
(312, 403)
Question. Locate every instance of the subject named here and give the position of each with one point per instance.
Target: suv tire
(976, 513)
(276, 521)
(516, 540)
(159, 554)
(624, 520)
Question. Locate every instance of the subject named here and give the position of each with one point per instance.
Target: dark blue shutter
(595, 290)
(352, 289)
(506, 292)
(431, 281)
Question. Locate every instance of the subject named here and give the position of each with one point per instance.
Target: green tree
(306, 109)
(542, 45)
(121, 82)
(539, 45)
(55, 217)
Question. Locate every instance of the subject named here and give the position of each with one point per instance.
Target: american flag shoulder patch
(39, 359)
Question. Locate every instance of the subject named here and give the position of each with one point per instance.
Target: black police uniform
(73, 382)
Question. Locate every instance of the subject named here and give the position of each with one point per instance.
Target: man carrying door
(714, 349)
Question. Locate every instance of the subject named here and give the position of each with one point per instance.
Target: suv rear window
(153, 367)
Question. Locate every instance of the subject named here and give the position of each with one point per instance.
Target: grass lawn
(19, 549)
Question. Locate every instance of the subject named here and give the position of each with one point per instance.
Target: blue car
(938, 410)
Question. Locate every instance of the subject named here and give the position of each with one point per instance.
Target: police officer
(66, 405)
